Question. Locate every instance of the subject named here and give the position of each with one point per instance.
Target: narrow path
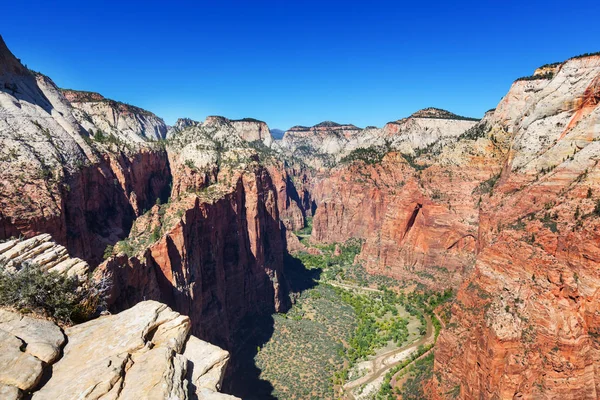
(395, 381)
(382, 363)
(350, 286)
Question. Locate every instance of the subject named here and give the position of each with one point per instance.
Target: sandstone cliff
(325, 144)
(219, 257)
(525, 323)
(94, 112)
(54, 178)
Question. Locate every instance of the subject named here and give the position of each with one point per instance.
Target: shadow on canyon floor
(243, 375)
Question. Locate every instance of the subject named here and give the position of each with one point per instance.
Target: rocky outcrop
(418, 221)
(145, 352)
(130, 123)
(42, 251)
(319, 145)
(293, 195)
(27, 345)
(425, 128)
(180, 125)
(325, 144)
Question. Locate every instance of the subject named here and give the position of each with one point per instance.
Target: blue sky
(297, 62)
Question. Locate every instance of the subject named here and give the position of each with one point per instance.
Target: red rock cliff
(525, 324)
(221, 261)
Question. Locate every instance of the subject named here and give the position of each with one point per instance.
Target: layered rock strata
(525, 323)
(43, 252)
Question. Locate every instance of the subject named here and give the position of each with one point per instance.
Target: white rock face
(553, 117)
(324, 144)
(124, 121)
(25, 345)
(44, 252)
(252, 130)
(136, 354)
(43, 338)
(180, 125)
(37, 127)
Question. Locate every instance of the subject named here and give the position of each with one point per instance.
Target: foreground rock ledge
(142, 353)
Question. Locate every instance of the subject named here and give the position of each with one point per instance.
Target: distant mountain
(277, 133)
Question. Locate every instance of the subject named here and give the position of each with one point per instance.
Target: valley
(436, 257)
(351, 324)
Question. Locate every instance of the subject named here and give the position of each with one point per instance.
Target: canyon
(198, 222)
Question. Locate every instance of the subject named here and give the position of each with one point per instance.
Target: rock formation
(27, 345)
(325, 144)
(42, 251)
(85, 191)
(145, 352)
(506, 209)
(95, 113)
(525, 322)
(218, 260)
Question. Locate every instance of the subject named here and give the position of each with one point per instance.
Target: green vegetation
(487, 186)
(342, 317)
(549, 222)
(190, 164)
(550, 65)
(477, 131)
(307, 230)
(378, 323)
(547, 75)
(108, 251)
(438, 113)
(248, 120)
(306, 347)
(385, 392)
(411, 160)
(51, 294)
(419, 373)
(265, 153)
(585, 55)
(368, 155)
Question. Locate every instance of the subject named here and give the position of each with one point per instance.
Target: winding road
(384, 362)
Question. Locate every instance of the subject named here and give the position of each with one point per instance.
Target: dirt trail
(383, 362)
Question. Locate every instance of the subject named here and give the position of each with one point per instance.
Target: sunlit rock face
(525, 322)
(145, 352)
(505, 209)
(56, 174)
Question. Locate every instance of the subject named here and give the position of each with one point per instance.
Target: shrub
(547, 75)
(476, 131)
(369, 155)
(54, 295)
(190, 164)
(100, 137)
(108, 252)
(597, 208)
(155, 234)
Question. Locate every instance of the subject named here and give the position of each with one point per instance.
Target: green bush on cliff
(369, 155)
(53, 295)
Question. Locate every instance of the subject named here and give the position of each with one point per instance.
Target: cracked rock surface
(141, 353)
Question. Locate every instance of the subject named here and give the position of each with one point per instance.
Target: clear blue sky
(297, 62)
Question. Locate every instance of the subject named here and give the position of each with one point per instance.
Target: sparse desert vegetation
(346, 317)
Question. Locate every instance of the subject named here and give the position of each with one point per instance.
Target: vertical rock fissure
(411, 220)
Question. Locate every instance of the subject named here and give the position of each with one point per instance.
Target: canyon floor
(344, 333)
